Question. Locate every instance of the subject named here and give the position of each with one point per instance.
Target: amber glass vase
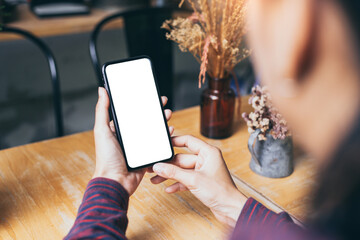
(217, 109)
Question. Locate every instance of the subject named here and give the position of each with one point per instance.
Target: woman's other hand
(205, 174)
(110, 162)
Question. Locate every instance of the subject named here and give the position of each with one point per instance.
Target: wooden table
(41, 187)
(45, 27)
(59, 25)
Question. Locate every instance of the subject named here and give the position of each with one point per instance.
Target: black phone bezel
(114, 116)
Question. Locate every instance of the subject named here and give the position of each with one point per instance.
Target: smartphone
(137, 112)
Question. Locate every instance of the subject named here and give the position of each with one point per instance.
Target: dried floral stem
(181, 3)
(213, 35)
(238, 93)
(204, 61)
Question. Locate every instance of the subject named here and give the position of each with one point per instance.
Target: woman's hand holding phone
(110, 162)
(205, 174)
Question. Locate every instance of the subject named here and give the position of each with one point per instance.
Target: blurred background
(26, 96)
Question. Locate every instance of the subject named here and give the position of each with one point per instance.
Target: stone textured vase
(271, 158)
(217, 109)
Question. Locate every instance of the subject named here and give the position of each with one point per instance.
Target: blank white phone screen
(138, 112)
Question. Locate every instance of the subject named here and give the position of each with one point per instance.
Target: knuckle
(97, 107)
(188, 138)
(215, 149)
(193, 182)
(171, 172)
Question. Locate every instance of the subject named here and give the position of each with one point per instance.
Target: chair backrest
(53, 71)
(144, 37)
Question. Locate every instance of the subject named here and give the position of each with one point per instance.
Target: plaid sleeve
(255, 212)
(258, 222)
(102, 213)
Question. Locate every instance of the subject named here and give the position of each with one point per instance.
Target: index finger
(192, 143)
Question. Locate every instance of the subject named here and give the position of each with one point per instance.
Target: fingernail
(158, 168)
(171, 128)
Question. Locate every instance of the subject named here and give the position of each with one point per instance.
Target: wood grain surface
(41, 187)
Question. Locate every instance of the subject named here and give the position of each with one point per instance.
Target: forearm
(102, 212)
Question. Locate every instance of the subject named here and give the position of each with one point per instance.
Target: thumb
(171, 171)
(102, 110)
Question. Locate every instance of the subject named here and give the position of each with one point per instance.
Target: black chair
(53, 71)
(144, 37)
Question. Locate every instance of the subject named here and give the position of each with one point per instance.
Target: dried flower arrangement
(213, 34)
(265, 117)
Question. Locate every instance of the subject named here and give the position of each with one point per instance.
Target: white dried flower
(250, 130)
(265, 122)
(265, 117)
(262, 137)
(253, 116)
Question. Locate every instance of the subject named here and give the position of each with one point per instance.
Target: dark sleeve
(102, 213)
(258, 222)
